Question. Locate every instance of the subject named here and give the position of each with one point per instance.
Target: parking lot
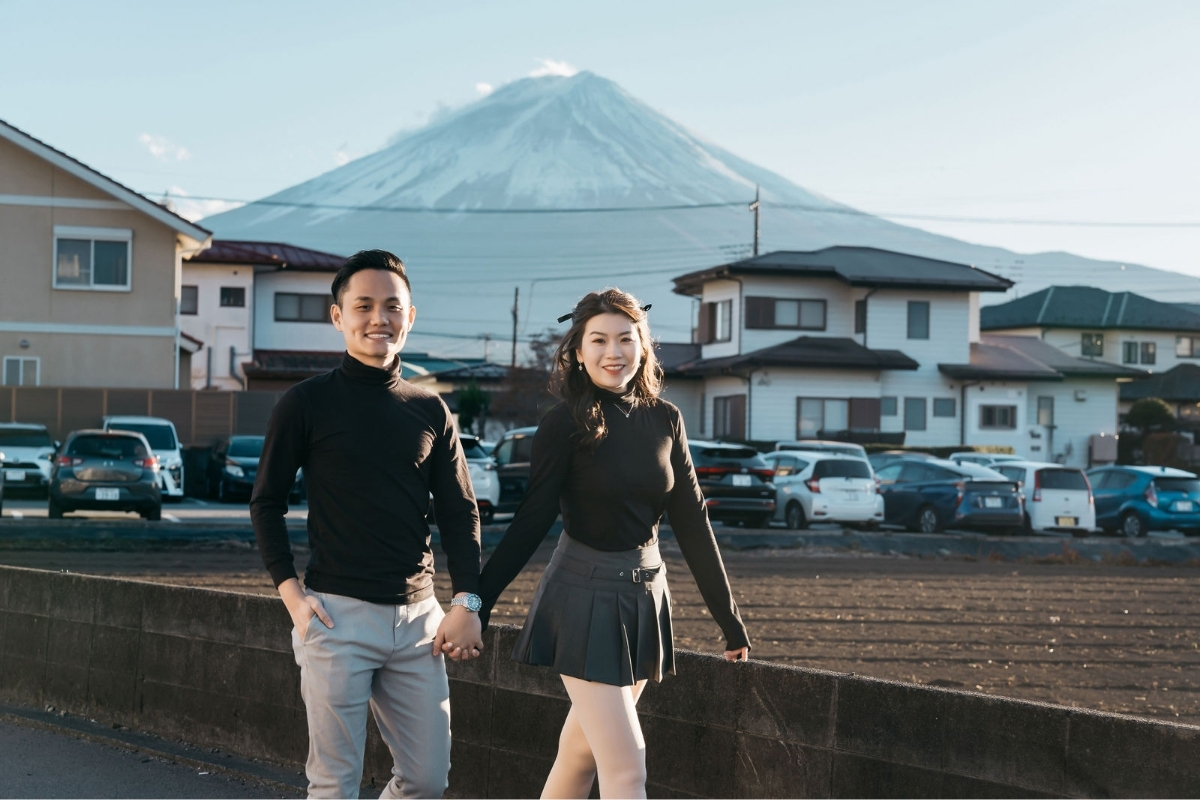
(190, 509)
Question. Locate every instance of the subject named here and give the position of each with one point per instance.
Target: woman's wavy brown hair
(573, 386)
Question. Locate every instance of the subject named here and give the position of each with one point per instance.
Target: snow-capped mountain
(559, 185)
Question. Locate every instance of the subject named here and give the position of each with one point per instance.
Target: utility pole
(755, 206)
(516, 298)
(487, 340)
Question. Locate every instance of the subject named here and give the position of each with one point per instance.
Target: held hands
(741, 654)
(459, 636)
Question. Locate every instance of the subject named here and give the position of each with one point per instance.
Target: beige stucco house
(90, 275)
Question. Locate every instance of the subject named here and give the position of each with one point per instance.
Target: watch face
(474, 603)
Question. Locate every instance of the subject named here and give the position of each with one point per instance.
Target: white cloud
(195, 208)
(163, 148)
(484, 88)
(551, 67)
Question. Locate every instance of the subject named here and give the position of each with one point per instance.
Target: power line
(816, 209)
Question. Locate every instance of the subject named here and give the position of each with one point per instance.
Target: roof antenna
(755, 207)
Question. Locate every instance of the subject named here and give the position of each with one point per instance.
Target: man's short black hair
(368, 259)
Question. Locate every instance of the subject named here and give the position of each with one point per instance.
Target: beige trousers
(601, 737)
(379, 656)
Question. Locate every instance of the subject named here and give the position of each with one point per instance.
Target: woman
(614, 457)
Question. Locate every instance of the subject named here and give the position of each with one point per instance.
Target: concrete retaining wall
(216, 669)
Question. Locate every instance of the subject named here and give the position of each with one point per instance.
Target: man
(368, 629)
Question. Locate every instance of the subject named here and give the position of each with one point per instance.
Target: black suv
(736, 482)
(512, 464)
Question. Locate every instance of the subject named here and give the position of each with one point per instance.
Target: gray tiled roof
(1180, 384)
(856, 266)
(1088, 307)
(827, 352)
(1029, 358)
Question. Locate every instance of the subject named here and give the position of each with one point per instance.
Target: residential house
(243, 297)
(90, 275)
(872, 345)
(1116, 327)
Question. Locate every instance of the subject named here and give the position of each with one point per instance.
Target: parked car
(1058, 499)
(929, 495)
(28, 457)
(164, 440)
(824, 487)
(512, 465)
(233, 466)
(983, 459)
(1135, 500)
(106, 469)
(736, 482)
(882, 459)
(485, 480)
(822, 446)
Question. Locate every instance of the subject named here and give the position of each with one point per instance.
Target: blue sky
(1080, 111)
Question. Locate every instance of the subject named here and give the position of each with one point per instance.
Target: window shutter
(865, 413)
(760, 312)
(737, 417)
(704, 323)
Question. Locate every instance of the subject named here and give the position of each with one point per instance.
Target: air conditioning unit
(1080, 395)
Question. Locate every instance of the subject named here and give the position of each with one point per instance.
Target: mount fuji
(559, 185)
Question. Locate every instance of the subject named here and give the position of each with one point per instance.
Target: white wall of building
(688, 395)
(1069, 340)
(774, 393)
(716, 292)
(839, 308)
(272, 335)
(1082, 407)
(999, 393)
(219, 327)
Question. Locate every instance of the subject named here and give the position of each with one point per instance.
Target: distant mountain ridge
(495, 196)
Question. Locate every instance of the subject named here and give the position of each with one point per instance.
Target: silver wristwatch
(471, 602)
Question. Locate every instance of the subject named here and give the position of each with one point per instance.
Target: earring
(581, 367)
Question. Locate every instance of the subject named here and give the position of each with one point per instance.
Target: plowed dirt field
(1113, 638)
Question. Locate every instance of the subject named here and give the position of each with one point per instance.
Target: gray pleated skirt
(601, 616)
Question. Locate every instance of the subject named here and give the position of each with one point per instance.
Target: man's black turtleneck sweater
(373, 448)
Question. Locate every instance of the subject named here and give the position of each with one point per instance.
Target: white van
(164, 441)
(1058, 499)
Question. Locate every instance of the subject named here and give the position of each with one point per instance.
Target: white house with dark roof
(871, 345)
(1115, 327)
(89, 275)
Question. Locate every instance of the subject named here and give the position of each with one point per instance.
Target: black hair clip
(566, 317)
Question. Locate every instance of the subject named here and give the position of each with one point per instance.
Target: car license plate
(1066, 522)
(993, 502)
(852, 497)
(741, 480)
(14, 474)
(1183, 505)
(108, 494)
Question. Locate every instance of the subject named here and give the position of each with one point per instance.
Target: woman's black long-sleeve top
(613, 497)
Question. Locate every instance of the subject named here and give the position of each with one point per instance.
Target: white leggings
(601, 735)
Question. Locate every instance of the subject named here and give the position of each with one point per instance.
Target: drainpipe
(749, 404)
(866, 313)
(233, 367)
(208, 368)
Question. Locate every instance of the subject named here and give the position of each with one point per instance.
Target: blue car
(929, 495)
(1135, 500)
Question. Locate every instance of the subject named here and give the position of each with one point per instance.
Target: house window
(816, 416)
(1186, 347)
(1045, 411)
(918, 321)
(998, 418)
(290, 307)
(1129, 353)
(729, 417)
(92, 258)
(21, 371)
(945, 407)
(189, 300)
(914, 413)
(860, 316)
(1149, 352)
(772, 312)
(234, 297)
(723, 321)
(887, 406)
(1091, 344)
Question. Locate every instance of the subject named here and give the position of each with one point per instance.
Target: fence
(202, 418)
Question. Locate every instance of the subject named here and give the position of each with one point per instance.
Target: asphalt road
(36, 762)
